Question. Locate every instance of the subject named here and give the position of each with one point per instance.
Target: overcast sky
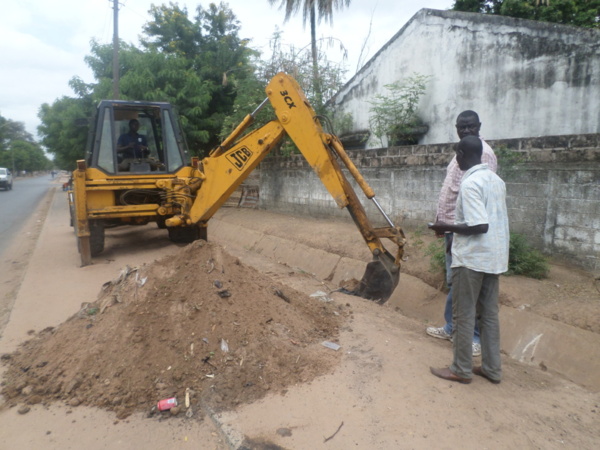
(43, 42)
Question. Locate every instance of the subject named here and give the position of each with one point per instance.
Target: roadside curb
(232, 437)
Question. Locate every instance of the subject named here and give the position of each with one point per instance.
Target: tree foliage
(199, 64)
(394, 115)
(18, 150)
(63, 134)
(324, 8)
(313, 11)
(582, 13)
(250, 92)
(182, 61)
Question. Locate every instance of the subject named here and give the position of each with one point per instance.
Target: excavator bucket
(380, 279)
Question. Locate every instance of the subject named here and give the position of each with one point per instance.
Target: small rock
(34, 400)
(175, 410)
(74, 384)
(285, 432)
(27, 390)
(24, 409)
(123, 414)
(74, 402)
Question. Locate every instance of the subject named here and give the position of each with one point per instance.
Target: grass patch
(436, 250)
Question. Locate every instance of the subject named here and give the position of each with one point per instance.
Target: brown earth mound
(198, 324)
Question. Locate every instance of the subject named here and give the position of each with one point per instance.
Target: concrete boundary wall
(523, 77)
(553, 195)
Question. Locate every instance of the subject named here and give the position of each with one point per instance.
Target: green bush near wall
(523, 259)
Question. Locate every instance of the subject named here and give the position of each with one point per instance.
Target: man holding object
(479, 256)
(467, 124)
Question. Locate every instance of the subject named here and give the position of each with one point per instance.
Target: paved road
(17, 205)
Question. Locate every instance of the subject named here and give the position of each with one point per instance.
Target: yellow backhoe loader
(160, 184)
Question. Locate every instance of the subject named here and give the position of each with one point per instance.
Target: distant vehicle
(6, 179)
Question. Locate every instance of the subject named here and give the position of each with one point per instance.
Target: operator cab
(164, 149)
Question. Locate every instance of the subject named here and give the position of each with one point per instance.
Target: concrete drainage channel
(533, 340)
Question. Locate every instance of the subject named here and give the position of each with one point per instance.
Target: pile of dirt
(198, 324)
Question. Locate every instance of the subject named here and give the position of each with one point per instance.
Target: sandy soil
(568, 295)
(240, 335)
(188, 334)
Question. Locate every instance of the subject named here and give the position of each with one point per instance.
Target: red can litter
(166, 404)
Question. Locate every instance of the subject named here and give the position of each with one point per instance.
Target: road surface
(17, 205)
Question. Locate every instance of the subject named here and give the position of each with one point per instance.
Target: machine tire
(160, 222)
(96, 237)
(184, 235)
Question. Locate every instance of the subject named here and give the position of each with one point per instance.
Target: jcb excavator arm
(229, 164)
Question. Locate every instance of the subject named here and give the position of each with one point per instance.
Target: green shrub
(394, 115)
(437, 251)
(525, 260)
(522, 258)
(510, 162)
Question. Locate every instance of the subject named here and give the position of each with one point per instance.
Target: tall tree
(182, 61)
(251, 90)
(310, 10)
(18, 149)
(61, 129)
(171, 31)
(215, 54)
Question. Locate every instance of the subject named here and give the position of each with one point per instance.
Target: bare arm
(442, 227)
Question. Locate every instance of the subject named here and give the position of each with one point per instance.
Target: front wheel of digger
(185, 235)
(160, 222)
(96, 237)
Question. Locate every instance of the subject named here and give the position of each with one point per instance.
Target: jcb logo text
(239, 157)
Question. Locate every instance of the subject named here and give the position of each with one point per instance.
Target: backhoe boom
(137, 170)
(230, 164)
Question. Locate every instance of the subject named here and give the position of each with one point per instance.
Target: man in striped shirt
(467, 124)
(479, 256)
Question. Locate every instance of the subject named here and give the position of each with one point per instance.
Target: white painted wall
(524, 78)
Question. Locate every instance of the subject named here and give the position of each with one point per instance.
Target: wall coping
(580, 148)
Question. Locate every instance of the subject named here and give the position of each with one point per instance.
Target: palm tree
(309, 11)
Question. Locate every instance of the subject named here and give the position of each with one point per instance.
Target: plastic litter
(331, 345)
(224, 346)
(321, 296)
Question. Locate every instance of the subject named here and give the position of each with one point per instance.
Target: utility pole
(115, 49)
